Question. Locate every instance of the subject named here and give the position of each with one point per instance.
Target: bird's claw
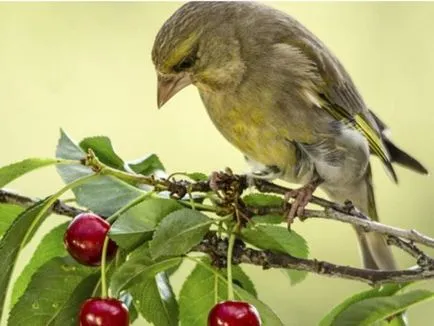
(301, 196)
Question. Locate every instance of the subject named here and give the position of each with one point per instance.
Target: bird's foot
(302, 197)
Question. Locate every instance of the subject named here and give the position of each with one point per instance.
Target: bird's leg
(301, 196)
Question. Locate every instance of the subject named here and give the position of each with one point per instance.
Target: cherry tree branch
(228, 187)
(59, 207)
(343, 213)
(216, 248)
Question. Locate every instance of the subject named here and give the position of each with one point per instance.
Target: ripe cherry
(233, 313)
(84, 239)
(103, 312)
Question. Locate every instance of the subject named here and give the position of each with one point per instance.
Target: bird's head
(198, 45)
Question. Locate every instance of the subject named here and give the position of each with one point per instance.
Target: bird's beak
(169, 86)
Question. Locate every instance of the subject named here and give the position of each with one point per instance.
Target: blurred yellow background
(86, 67)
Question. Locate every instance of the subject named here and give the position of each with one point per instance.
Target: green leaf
(8, 213)
(12, 171)
(155, 300)
(279, 239)
(14, 239)
(260, 200)
(276, 238)
(197, 176)
(138, 223)
(179, 232)
(295, 276)
(241, 279)
(103, 149)
(68, 149)
(369, 311)
(147, 165)
(67, 315)
(104, 195)
(51, 246)
(137, 269)
(382, 291)
(59, 279)
(204, 287)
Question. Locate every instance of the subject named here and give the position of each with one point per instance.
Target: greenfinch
(284, 100)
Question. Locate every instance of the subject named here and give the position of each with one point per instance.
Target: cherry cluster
(84, 240)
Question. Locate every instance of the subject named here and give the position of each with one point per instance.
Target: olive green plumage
(282, 98)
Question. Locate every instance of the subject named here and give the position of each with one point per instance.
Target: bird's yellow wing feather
(364, 127)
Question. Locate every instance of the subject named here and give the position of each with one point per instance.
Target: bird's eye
(185, 63)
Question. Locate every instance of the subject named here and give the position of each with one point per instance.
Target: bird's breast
(251, 129)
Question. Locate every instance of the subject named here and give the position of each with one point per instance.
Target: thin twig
(346, 214)
(422, 259)
(371, 226)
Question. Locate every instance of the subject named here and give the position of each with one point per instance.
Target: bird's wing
(339, 97)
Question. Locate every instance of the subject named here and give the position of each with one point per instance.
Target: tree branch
(343, 213)
(59, 207)
(216, 248)
(369, 225)
(229, 187)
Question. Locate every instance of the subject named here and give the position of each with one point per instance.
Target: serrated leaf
(260, 200)
(197, 176)
(67, 315)
(204, 287)
(8, 213)
(155, 300)
(104, 195)
(147, 165)
(13, 240)
(179, 232)
(137, 269)
(276, 238)
(279, 239)
(383, 291)
(103, 149)
(369, 311)
(12, 171)
(138, 223)
(50, 246)
(58, 278)
(68, 149)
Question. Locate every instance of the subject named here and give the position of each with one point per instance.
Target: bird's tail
(375, 252)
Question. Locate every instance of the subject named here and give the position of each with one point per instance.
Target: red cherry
(234, 313)
(103, 312)
(84, 239)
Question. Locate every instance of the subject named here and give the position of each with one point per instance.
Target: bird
(285, 101)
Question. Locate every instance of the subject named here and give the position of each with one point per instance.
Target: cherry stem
(104, 292)
(232, 237)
